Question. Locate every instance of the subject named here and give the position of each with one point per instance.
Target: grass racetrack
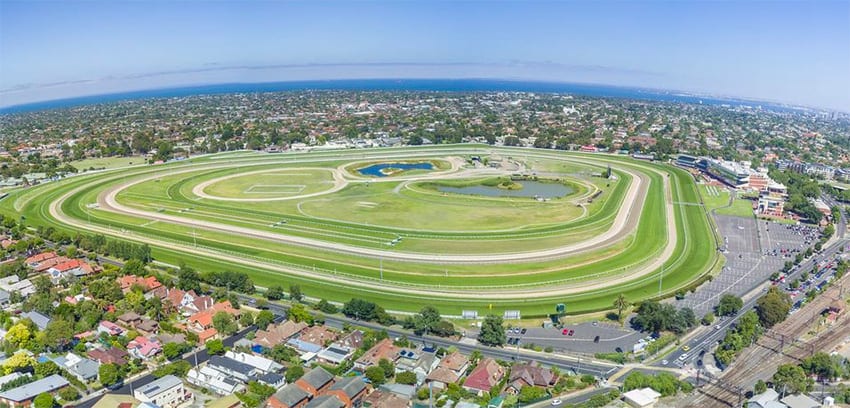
(399, 240)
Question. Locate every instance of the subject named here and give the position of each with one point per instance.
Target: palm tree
(621, 304)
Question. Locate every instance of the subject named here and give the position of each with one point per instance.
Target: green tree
(173, 351)
(376, 375)
(708, 319)
(214, 347)
(299, 313)
(246, 319)
(274, 292)
(295, 293)
(388, 367)
(264, 319)
(406, 377)
(43, 400)
(109, 374)
(293, 373)
(621, 304)
(791, 379)
(729, 305)
(58, 334)
(69, 394)
(773, 307)
(188, 279)
(760, 387)
(223, 323)
(492, 331)
(327, 307)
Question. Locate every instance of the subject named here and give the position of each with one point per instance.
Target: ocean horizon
(420, 85)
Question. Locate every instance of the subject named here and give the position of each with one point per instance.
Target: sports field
(459, 235)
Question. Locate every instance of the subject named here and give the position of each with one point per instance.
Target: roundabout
(407, 236)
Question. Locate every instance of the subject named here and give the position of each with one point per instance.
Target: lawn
(171, 194)
(108, 163)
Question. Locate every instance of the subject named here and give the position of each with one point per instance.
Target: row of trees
(657, 317)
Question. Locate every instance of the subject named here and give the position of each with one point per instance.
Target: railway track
(775, 347)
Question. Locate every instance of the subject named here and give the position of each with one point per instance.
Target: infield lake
(529, 189)
(384, 169)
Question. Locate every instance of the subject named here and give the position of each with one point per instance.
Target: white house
(166, 392)
(642, 398)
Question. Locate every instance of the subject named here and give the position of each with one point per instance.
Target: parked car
(565, 331)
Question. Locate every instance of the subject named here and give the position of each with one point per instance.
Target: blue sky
(796, 52)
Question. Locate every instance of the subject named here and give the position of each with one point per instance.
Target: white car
(556, 402)
(664, 362)
(683, 357)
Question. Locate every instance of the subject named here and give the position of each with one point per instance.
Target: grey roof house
(22, 395)
(39, 319)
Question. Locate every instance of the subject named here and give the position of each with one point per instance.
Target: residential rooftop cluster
(37, 145)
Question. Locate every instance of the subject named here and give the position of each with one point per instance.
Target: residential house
(69, 269)
(420, 364)
(235, 369)
(146, 284)
(130, 319)
(214, 380)
(207, 335)
(37, 259)
(349, 390)
(84, 369)
(278, 333)
(41, 321)
(291, 396)
(402, 390)
(450, 369)
(203, 320)
(110, 328)
(273, 380)
(382, 399)
(315, 381)
(384, 349)
(22, 396)
(13, 284)
(325, 401)
(165, 392)
(262, 364)
(117, 401)
(353, 340)
(334, 354)
(110, 356)
(305, 349)
(528, 375)
(485, 376)
(318, 335)
(144, 348)
(148, 327)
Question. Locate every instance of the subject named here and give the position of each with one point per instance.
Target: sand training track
(625, 222)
